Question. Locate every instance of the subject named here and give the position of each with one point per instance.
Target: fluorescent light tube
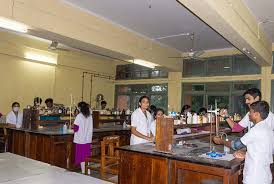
(144, 63)
(41, 57)
(13, 25)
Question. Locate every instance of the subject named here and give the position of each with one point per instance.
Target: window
(220, 66)
(132, 71)
(272, 95)
(227, 94)
(127, 96)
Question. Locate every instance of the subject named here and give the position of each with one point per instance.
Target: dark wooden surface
(55, 148)
(138, 168)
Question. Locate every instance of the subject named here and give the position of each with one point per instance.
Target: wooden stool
(109, 160)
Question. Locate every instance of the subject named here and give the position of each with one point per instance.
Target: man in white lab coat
(259, 142)
(15, 117)
(251, 95)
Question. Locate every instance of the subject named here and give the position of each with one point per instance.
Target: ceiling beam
(58, 17)
(233, 20)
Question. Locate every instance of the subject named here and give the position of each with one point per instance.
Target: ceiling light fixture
(13, 25)
(51, 59)
(144, 63)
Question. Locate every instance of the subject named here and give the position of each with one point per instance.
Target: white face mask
(15, 109)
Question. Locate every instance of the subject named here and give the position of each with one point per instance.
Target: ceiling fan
(54, 47)
(192, 54)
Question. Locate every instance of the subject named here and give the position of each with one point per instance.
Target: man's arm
(235, 145)
(235, 127)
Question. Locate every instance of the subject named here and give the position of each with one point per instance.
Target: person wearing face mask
(15, 118)
(141, 120)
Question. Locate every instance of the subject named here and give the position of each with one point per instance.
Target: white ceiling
(263, 11)
(156, 18)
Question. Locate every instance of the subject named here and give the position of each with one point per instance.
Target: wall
(21, 80)
(63, 19)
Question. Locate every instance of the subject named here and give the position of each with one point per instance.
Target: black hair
(84, 108)
(159, 109)
(152, 109)
(37, 100)
(261, 107)
(49, 100)
(103, 102)
(254, 92)
(142, 97)
(15, 103)
(184, 108)
(202, 110)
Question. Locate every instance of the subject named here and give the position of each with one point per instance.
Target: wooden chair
(109, 160)
(4, 138)
(110, 156)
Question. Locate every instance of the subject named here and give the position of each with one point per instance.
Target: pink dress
(82, 151)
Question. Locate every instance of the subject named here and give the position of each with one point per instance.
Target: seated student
(15, 118)
(158, 113)
(259, 142)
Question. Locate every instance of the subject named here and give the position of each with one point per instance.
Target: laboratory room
(136, 92)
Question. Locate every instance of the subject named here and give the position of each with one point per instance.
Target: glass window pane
(193, 87)
(218, 87)
(222, 101)
(193, 68)
(132, 71)
(239, 105)
(123, 102)
(272, 95)
(135, 103)
(160, 101)
(219, 66)
(195, 101)
(158, 88)
(244, 86)
(123, 89)
(242, 65)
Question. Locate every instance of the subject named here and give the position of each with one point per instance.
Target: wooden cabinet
(138, 168)
(149, 168)
(55, 149)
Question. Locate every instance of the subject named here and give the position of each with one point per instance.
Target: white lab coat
(84, 134)
(246, 123)
(259, 142)
(15, 120)
(153, 128)
(142, 124)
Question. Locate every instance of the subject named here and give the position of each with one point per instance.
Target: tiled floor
(108, 177)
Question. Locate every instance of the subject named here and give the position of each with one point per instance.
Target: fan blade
(62, 49)
(198, 53)
(176, 57)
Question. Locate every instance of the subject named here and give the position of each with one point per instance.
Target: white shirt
(15, 120)
(153, 128)
(84, 134)
(142, 125)
(260, 142)
(245, 122)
